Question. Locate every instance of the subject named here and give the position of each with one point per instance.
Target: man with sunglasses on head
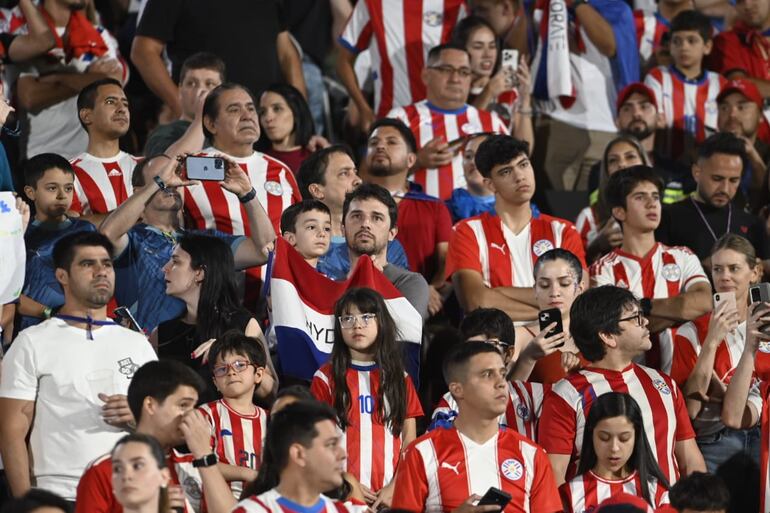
(443, 120)
(608, 326)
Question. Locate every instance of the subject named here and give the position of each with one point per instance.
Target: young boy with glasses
(239, 426)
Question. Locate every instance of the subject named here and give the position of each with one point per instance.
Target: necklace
(711, 231)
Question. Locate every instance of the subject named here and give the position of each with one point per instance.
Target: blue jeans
(315, 92)
(719, 447)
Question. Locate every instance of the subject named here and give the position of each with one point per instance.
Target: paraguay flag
(303, 311)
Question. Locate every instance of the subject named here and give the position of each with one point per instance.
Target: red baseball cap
(624, 498)
(743, 86)
(635, 87)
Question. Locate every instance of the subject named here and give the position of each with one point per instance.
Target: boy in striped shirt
(237, 363)
(685, 91)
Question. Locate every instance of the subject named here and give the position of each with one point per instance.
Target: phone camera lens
(218, 163)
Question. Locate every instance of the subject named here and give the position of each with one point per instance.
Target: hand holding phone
(547, 317)
(205, 168)
(495, 497)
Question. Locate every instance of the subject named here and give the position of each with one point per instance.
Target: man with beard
(424, 223)
(369, 221)
(143, 249)
(67, 377)
(740, 113)
(103, 172)
(638, 115)
(48, 85)
(700, 220)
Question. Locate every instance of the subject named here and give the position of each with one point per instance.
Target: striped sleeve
(463, 251)
(358, 30)
(411, 488)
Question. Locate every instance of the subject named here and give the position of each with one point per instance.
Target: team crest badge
(127, 367)
(274, 188)
(192, 489)
(661, 386)
(433, 18)
(522, 411)
(672, 272)
(512, 469)
(541, 246)
(764, 347)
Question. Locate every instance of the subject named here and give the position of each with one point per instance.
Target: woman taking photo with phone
(707, 350)
(558, 277)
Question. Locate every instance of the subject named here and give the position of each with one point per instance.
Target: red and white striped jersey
(442, 468)
(759, 400)
(587, 225)
(428, 122)
(689, 338)
(272, 502)
(525, 401)
(650, 28)
(582, 494)
(399, 34)
(689, 106)
(239, 438)
(101, 185)
(662, 273)
(504, 259)
(95, 495)
(566, 408)
(373, 450)
(212, 207)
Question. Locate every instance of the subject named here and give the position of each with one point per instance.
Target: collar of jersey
(315, 508)
(606, 372)
(694, 81)
(362, 366)
(461, 110)
(59, 226)
(639, 259)
(152, 228)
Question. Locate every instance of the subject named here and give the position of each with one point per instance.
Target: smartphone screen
(205, 168)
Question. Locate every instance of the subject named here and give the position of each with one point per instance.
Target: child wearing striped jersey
(237, 364)
(616, 458)
(373, 396)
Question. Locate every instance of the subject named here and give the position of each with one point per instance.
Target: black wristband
(161, 183)
(206, 461)
(646, 304)
(248, 196)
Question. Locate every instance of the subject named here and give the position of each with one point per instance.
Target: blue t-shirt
(140, 284)
(462, 204)
(40, 283)
(336, 262)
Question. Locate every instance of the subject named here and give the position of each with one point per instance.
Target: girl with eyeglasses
(365, 382)
(615, 458)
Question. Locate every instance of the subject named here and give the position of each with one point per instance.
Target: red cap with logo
(743, 86)
(635, 87)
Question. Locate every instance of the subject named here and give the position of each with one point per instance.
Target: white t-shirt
(58, 367)
(12, 253)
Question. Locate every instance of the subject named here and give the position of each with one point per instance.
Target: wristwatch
(248, 196)
(206, 461)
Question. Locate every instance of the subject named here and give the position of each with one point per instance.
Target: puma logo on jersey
(114, 172)
(500, 247)
(453, 468)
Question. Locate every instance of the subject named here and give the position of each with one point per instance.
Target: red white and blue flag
(303, 311)
(553, 74)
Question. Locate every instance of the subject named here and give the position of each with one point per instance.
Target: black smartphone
(549, 316)
(127, 319)
(205, 168)
(495, 497)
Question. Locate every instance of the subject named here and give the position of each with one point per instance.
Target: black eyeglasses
(639, 316)
(448, 70)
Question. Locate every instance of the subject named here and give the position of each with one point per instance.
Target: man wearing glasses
(670, 280)
(442, 121)
(609, 327)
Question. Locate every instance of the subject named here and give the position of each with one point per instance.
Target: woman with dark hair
(373, 396)
(599, 231)
(492, 87)
(201, 272)
(615, 457)
(558, 281)
(287, 125)
(140, 475)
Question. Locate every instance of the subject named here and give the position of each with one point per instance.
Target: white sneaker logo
(453, 468)
(500, 247)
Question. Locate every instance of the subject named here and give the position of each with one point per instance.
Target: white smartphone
(510, 59)
(725, 297)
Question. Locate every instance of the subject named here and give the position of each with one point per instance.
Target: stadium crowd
(340, 256)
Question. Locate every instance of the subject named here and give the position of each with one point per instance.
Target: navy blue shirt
(336, 262)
